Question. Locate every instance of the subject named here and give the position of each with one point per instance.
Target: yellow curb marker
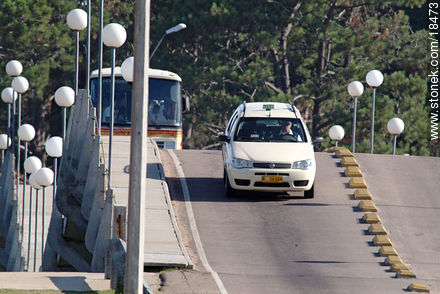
(382, 240)
(398, 267)
(404, 273)
(367, 205)
(377, 229)
(353, 171)
(391, 260)
(387, 251)
(371, 218)
(362, 194)
(349, 161)
(357, 182)
(416, 287)
(343, 153)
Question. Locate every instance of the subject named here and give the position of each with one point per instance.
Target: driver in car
(287, 133)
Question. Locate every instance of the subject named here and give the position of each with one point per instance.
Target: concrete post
(138, 151)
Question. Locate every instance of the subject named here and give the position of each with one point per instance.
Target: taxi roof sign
(268, 106)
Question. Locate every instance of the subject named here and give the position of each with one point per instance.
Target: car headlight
(241, 163)
(302, 164)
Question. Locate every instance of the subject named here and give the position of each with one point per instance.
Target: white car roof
(152, 73)
(269, 109)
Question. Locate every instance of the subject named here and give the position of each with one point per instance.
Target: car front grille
(271, 165)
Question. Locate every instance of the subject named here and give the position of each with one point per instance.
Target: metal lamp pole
(34, 184)
(9, 96)
(26, 133)
(114, 36)
(172, 30)
(395, 126)
(336, 133)
(44, 177)
(355, 89)
(31, 165)
(374, 79)
(77, 21)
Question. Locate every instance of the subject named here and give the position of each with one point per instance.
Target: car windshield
(270, 130)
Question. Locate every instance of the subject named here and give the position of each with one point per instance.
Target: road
(260, 243)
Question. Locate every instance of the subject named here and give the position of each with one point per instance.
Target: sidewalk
(163, 245)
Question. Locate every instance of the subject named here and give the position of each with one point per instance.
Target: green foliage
(248, 50)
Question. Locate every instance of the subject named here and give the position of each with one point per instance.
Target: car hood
(272, 151)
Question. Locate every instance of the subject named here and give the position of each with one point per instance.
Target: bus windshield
(164, 106)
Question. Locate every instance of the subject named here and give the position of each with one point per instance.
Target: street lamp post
(113, 36)
(374, 79)
(31, 165)
(5, 142)
(64, 97)
(14, 69)
(26, 133)
(77, 21)
(44, 177)
(395, 126)
(54, 148)
(172, 30)
(99, 102)
(34, 184)
(336, 133)
(355, 89)
(9, 97)
(20, 85)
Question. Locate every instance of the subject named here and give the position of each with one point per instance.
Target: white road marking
(193, 225)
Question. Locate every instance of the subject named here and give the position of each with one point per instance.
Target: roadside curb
(166, 191)
(376, 227)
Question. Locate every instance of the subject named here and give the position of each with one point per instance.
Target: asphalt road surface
(268, 243)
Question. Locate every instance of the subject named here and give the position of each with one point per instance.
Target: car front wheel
(229, 191)
(310, 193)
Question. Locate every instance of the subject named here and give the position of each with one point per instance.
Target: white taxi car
(267, 147)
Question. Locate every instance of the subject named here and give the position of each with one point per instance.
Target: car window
(270, 130)
(231, 123)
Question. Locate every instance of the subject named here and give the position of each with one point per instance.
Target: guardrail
(87, 230)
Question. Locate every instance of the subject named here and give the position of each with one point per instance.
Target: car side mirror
(224, 138)
(318, 140)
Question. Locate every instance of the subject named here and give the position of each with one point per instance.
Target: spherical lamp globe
(8, 95)
(20, 84)
(395, 126)
(44, 177)
(5, 142)
(32, 164)
(127, 69)
(355, 89)
(374, 78)
(26, 132)
(336, 132)
(114, 35)
(77, 19)
(64, 96)
(54, 146)
(14, 68)
(33, 181)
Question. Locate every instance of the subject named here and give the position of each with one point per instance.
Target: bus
(165, 105)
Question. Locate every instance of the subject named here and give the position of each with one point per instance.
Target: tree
(307, 52)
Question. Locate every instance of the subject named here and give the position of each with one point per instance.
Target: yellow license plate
(272, 179)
